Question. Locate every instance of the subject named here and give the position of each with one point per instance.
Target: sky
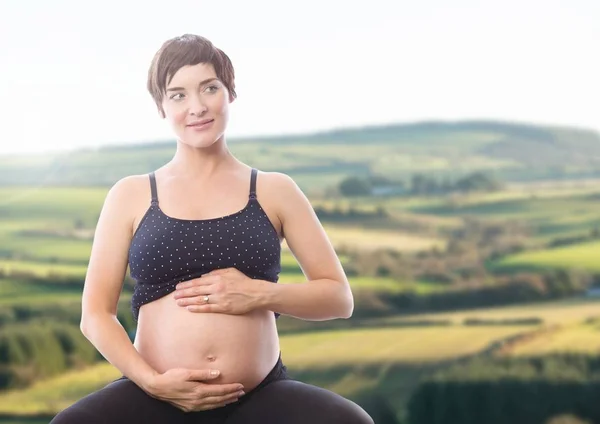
(73, 73)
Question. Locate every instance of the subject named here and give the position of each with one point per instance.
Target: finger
(202, 404)
(221, 400)
(211, 307)
(192, 291)
(210, 279)
(206, 407)
(199, 300)
(201, 375)
(184, 406)
(192, 283)
(194, 301)
(219, 390)
(178, 406)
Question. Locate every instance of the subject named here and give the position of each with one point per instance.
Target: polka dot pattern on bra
(166, 251)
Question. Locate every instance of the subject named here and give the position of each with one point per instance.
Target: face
(196, 104)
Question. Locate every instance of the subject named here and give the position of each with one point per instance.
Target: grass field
(46, 204)
(13, 292)
(584, 256)
(567, 311)
(581, 337)
(388, 345)
(42, 249)
(506, 206)
(549, 212)
(41, 269)
(376, 239)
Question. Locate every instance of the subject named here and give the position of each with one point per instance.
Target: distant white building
(387, 191)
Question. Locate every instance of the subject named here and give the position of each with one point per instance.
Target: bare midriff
(244, 348)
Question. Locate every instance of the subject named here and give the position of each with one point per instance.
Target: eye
(212, 88)
(174, 96)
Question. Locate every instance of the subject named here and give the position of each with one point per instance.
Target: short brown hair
(184, 50)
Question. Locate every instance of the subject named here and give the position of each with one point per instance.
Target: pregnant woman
(202, 237)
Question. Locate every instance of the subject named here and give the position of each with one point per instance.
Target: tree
(353, 186)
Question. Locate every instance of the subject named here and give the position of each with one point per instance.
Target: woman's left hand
(226, 290)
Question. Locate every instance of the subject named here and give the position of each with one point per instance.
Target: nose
(196, 106)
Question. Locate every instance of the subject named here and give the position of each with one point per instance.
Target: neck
(201, 162)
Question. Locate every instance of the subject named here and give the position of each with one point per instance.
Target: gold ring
(205, 299)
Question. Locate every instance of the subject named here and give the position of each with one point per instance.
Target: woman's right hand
(184, 389)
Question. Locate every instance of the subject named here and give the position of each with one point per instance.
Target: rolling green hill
(512, 151)
(580, 256)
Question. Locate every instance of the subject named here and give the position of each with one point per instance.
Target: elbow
(347, 311)
(87, 317)
(84, 329)
(347, 303)
(88, 321)
(84, 325)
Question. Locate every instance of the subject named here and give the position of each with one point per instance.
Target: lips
(200, 123)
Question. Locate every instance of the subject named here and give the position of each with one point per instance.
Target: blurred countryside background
(451, 151)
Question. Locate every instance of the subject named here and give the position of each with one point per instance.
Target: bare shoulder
(131, 184)
(282, 196)
(302, 230)
(279, 185)
(126, 187)
(286, 188)
(273, 181)
(131, 195)
(123, 204)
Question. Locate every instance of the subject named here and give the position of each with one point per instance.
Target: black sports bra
(165, 251)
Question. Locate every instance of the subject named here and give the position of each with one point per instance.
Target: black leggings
(278, 399)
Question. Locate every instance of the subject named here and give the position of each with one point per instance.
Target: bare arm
(104, 282)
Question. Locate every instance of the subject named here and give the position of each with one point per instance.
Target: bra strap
(253, 184)
(153, 189)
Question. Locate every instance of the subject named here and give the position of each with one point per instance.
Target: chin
(203, 139)
(200, 142)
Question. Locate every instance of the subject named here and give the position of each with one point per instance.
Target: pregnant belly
(243, 347)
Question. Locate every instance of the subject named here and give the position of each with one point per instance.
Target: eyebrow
(206, 81)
